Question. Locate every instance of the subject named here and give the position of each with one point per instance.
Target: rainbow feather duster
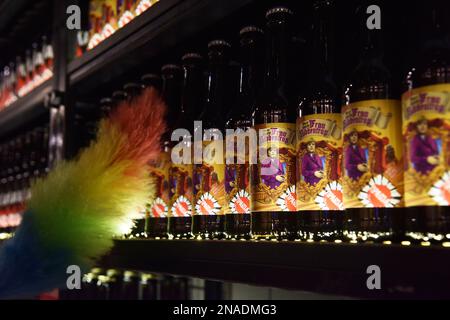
(75, 211)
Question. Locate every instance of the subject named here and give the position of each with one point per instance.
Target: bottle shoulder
(432, 67)
(240, 117)
(274, 113)
(369, 81)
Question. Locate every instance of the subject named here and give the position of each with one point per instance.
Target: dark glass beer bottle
(274, 211)
(319, 137)
(237, 173)
(180, 172)
(48, 56)
(159, 208)
(21, 75)
(208, 175)
(426, 123)
(372, 143)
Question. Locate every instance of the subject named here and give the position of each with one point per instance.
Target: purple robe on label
(311, 163)
(173, 186)
(423, 146)
(230, 176)
(270, 169)
(354, 155)
(197, 181)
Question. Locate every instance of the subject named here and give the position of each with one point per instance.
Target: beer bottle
(21, 74)
(12, 83)
(319, 137)
(48, 57)
(208, 175)
(29, 84)
(126, 12)
(426, 123)
(159, 208)
(38, 65)
(3, 190)
(237, 173)
(274, 212)
(372, 143)
(180, 174)
(41, 152)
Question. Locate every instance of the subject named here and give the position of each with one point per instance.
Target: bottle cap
(128, 275)
(96, 270)
(131, 86)
(218, 43)
(112, 272)
(278, 10)
(105, 101)
(119, 95)
(170, 66)
(150, 76)
(250, 29)
(191, 55)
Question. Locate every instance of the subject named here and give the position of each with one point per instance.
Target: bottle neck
(250, 75)
(191, 104)
(322, 97)
(171, 95)
(216, 96)
(371, 78)
(372, 50)
(277, 49)
(322, 43)
(434, 31)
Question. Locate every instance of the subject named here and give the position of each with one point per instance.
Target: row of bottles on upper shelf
(114, 284)
(106, 17)
(372, 167)
(22, 160)
(20, 77)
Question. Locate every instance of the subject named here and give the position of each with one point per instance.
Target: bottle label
(273, 178)
(237, 180)
(159, 172)
(181, 187)
(209, 180)
(372, 154)
(319, 162)
(426, 133)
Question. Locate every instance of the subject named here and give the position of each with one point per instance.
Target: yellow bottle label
(209, 180)
(181, 188)
(159, 172)
(319, 162)
(273, 178)
(372, 154)
(237, 177)
(426, 133)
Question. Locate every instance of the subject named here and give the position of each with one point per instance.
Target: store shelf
(166, 24)
(317, 267)
(24, 109)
